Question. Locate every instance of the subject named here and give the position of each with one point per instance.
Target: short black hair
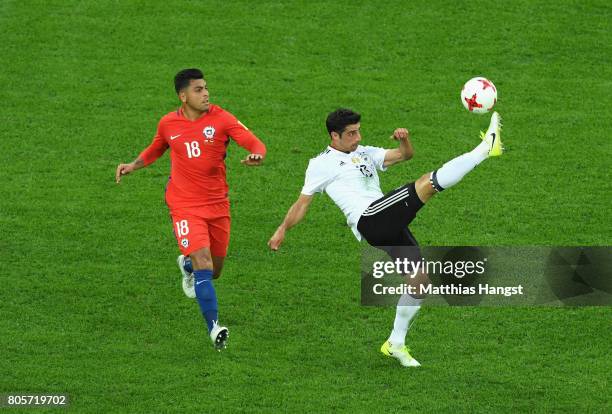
(340, 118)
(182, 79)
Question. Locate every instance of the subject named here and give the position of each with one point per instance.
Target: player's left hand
(400, 133)
(253, 160)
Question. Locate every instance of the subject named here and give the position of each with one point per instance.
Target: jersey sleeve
(156, 149)
(378, 156)
(243, 137)
(316, 179)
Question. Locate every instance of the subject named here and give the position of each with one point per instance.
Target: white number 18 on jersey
(193, 149)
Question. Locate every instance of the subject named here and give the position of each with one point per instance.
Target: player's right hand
(400, 133)
(123, 169)
(253, 160)
(277, 239)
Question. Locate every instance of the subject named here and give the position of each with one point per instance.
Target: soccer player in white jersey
(347, 172)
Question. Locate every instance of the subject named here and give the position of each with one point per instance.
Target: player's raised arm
(247, 140)
(405, 150)
(155, 150)
(295, 214)
(125, 169)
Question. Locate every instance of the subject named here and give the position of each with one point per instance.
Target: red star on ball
(486, 84)
(471, 103)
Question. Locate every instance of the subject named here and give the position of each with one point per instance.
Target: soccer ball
(479, 95)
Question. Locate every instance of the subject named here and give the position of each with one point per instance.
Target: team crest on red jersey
(209, 134)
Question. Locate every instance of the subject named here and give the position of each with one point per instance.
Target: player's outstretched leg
(207, 297)
(186, 268)
(454, 170)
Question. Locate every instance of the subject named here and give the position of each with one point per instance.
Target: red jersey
(197, 154)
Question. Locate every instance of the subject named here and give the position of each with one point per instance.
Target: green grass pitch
(91, 303)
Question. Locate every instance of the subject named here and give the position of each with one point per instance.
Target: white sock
(406, 310)
(454, 170)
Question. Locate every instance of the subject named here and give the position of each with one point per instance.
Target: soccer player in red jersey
(198, 134)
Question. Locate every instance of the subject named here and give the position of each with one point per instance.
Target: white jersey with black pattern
(350, 179)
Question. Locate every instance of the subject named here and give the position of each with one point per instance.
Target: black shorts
(385, 222)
